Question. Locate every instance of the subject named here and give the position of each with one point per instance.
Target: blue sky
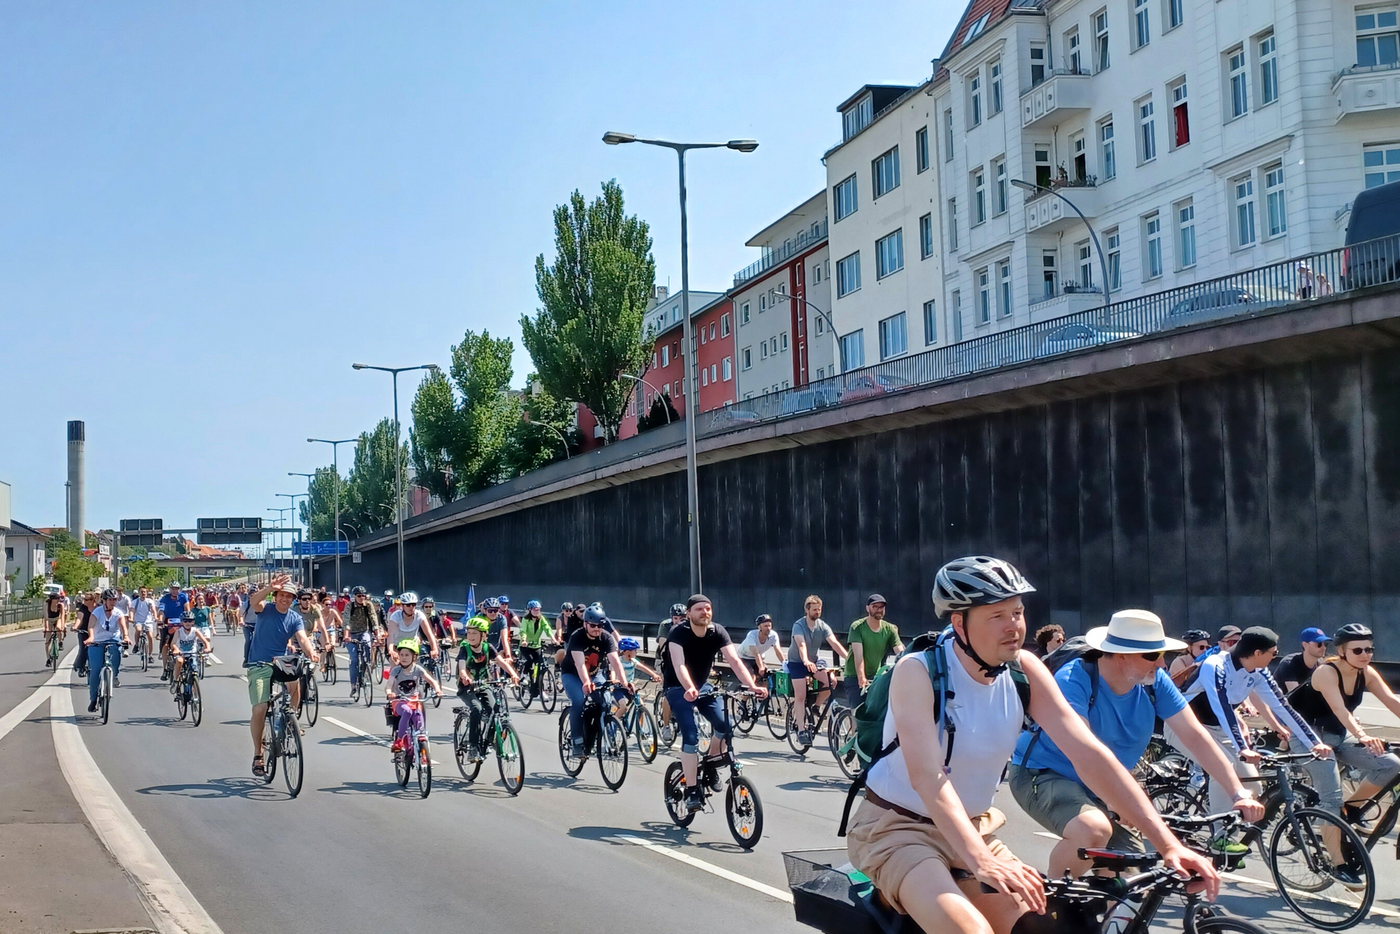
(208, 211)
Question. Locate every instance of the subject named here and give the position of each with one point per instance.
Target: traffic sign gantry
(320, 548)
(145, 533)
(230, 531)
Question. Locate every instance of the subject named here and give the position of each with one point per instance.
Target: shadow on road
(560, 780)
(240, 787)
(383, 789)
(656, 832)
(816, 783)
(171, 721)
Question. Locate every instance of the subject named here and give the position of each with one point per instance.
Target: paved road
(355, 853)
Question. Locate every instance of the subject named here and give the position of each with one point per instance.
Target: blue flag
(471, 600)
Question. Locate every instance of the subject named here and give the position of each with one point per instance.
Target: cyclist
(106, 635)
(1328, 702)
(926, 832)
(759, 641)
(1188, 663)
(199, 613)
(82, 627)
(535, 632)
(333, 624)
(1049, 638)
(1297, 668)
(361, 629)
(585, 651)
(343, 600)
(511, 620)
(474, 662)
(627, 649)
(387, 603)
(143, 619)
(871, 640)
(311, 617)
(274, 624)
(188, 638)
(55, 619)
(407, 680)
(808, 633)
(685, 669)
(1120, 689)
(566, 613)
(408, 622)
(440, 622)
(171, 608)
(498, 625)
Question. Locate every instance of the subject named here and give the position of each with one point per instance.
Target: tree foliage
(35, 589)
(371, 481)
(589, 328)
(536, 439)
(317, 511)
(144, 573)
(662, 412)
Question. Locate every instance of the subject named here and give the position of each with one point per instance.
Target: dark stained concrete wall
(1263, 497)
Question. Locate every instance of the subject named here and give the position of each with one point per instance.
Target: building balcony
(1057, 301)
(805, 240)
(1062, 94)
(1047, 213)
(1366, 89)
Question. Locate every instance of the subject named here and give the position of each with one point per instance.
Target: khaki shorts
(1052, 801)
(887, 846)
(259, 684)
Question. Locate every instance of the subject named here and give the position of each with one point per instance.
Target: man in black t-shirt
(690, 654)
(1297, 668)
(584, 654)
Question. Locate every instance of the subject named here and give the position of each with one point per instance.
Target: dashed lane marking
(711, 868)
(359, 732)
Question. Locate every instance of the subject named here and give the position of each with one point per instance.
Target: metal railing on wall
(20, 612)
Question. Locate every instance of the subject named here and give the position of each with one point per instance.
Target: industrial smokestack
(77, 440)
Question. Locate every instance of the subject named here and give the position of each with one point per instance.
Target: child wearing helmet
(407, 681)
(627, 649)
(186, 640)
(474, 662)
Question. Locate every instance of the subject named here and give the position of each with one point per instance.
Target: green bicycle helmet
(410, 644)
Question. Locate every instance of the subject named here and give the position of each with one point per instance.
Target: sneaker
(1228, 847)
(164, 676)
(578, 750)
(1349, 877)
(398, 744)
(804, 737)
(474, 755)
(1353, 814)
(716, 783)
(92, 708)
(694, 800)
(116, 682)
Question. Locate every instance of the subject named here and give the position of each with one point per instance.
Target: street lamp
(1103, 263)
(830, 325)
(613, 138)
(398, 465)
(557, 433)
(293, 498)
(335, 470)
(637, 379)
(281, 523)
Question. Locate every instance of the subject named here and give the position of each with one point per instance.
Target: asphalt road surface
(356, 853)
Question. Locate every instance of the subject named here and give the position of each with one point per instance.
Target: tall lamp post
(613, 138)
(281, 523)
(309, 537)
(335, 470)
(637, 379)
(295, 521)
(830, 325)
(398, 465)
(1103, 263)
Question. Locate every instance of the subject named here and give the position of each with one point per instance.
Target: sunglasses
(593, 625)
(1150, 656)
(1368, 650)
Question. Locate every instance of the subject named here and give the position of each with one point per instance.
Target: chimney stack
(77, 440)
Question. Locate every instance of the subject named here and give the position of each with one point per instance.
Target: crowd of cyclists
(1067, 725)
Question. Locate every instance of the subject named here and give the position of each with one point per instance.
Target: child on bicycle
(187, 640)
(474, 663)
(627, 649)
(407, 681)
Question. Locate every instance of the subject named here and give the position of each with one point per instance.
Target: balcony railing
(791, 247)
(1366, 89)
(1267, 288)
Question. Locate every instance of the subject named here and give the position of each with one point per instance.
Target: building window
(979, 197)
(1142, 29)
(984, 296)
(948, 135)
(921, 150)
(889, 254)
(1042, 165)
(999, 186)
(1239, 90)
(926, 236)
(843, 198)
(858, 117)
(1086, 264)
(763, 350)
(821, 325)
(763, 302)
(1186, 234)
(703, 338)
(728, 369)
(1244, 210)
(1073, 60)
(1115, 260)
(714, 372)
(782, 340)
(996, 96)
(1049, 273)
(956, 299)
(976, 28)
(974, 100)
(1181, 123)
(724, 325)
(1176, 14)
(1037, 58)
(712, 330)
(1152, 245)
(894, 336)
(746, 358)
(1079, 147)
(885, 170)
(1377, 38)
(817, 274)
(1107, 157)
(1004, 288)
(704, 376)
(1147, 131)
(930, 323)
(666, 355)
(1268, 69)
(853, 350)
(744, 313)
(1381, 164)
(1274, 204)
(952, 224)
(1101, 40)
(848, 275)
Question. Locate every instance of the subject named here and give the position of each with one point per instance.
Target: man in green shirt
(870, 640)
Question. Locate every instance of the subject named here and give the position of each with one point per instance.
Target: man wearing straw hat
(1119, 686)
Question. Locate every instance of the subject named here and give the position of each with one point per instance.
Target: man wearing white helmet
(926, 832)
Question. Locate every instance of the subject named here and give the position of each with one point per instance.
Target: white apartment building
(782, 338)
(1199, 138)
(883, 201)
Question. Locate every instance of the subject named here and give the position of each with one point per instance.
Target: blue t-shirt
(271, 632)
(1123, 723)
(174, 607)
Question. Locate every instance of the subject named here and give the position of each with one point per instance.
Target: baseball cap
(875, 598)
(1226, 632)
(1313, 634)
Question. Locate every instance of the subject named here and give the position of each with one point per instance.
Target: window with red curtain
(1183, 128)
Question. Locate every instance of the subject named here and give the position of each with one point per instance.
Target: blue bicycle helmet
(628, 644)
(503, 598)
(533, 605)
(595, 614)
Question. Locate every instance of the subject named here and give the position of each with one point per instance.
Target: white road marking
(359, 732)
(172, 907)
(25, 707)
(1048, 835)
(215, 659)
(20, 632)
(711, 868)
(1268, 884)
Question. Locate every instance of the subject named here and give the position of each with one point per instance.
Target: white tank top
(988, 720)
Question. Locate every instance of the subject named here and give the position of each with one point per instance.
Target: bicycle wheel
(182, 700)
(310, 701)
(366, 688)
(549, 690)
(380, 672)
(572, 764)
(196, 704)
(612, 751)
(145, 659)
(403, 767)
(460, 748)
(666, 732)
(332, 667)
(746, 714)
(291, 747)
(104, 693)
(1304, 870)
(1176, 798)
(843, 735)
(646, 735)
(793, 740)
(510, 758)
(673, 787)
(775, 716)
(425, 768)
(704, 733)
(1227, 924)
(744, 811)
(270, 749)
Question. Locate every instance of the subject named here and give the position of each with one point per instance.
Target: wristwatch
(1241, 795)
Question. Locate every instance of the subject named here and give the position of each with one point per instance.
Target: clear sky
(209, 211)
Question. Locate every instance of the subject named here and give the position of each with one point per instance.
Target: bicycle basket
(288, 668)
(829, 894)
(390, 718)
(782, 684)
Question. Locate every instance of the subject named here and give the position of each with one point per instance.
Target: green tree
(371, 481)
(74, 571)
(662, 412)
(589, 328)
(59, 542)
(532, 443)
(145, 573)
(35, 589)
(317, 511)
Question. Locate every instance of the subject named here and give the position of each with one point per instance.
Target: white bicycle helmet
(976, 580)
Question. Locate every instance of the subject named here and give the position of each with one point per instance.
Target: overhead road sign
(143, 533)
(230, 531)
(316, 549)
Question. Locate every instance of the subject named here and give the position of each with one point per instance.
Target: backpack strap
(1033, 727)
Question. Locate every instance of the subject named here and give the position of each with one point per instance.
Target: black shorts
(165, 635)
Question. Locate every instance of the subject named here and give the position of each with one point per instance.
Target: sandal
(259, 770)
